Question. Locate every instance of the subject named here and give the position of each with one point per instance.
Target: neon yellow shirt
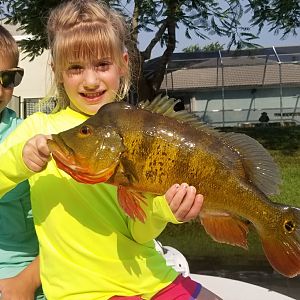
(89, 249)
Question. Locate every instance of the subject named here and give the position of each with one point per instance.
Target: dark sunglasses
(11, 78)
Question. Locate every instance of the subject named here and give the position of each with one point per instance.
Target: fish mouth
(64, 158)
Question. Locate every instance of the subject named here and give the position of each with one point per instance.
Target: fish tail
(282, 244)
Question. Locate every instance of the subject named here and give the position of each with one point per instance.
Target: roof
(233, 76)
(246, 68)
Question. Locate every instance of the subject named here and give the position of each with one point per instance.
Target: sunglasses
(11, 78)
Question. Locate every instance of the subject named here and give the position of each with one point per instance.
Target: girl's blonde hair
(80, 30)
(8, 47)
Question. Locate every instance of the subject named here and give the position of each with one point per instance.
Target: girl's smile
(92, 97)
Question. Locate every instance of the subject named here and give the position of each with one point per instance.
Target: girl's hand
(36, 153)
(184, 202)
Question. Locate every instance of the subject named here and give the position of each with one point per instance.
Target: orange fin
(131, 201)
(284, 257)
(224, 228)
(282, 246)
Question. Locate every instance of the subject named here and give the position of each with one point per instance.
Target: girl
(89, 249)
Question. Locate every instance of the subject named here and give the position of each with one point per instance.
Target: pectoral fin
(225, 228)
(131, 201)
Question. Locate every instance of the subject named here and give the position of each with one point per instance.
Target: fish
(148, 147)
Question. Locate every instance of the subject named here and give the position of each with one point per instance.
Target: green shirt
(18, 241)
(89, 249)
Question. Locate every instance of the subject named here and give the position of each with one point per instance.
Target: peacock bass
(150, 147)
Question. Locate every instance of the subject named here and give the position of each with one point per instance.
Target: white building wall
(36, 81)
(244, 105)
(37, 76)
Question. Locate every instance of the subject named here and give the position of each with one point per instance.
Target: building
(227, 88)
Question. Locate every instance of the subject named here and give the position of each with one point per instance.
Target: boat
(226, 288)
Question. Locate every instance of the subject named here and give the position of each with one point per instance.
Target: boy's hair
(80, 30)
(8, 47)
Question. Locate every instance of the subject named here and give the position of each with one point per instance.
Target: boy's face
(5, 93)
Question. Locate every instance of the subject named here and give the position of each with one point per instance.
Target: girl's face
(5, 93)
(90, 85)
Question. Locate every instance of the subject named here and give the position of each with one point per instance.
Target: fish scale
(147, 149)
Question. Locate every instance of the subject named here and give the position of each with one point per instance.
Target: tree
(162, 18)
(207, 48)
(192, 49)
(213, 47)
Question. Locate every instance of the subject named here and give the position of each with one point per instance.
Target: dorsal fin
(259, 166)
(165, 106)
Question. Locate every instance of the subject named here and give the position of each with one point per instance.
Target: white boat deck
(229, 289)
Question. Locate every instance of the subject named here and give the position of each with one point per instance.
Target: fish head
(89, 154)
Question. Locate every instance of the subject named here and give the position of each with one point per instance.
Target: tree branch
(146, 54)
(135, 22)
(165, 58)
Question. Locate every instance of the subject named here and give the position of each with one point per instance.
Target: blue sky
(267, 39)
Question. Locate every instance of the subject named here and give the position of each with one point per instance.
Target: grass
(200, 250)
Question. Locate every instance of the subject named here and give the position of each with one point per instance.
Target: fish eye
(85, 130)
(289, 226)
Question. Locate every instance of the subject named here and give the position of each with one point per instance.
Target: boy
(19, 264)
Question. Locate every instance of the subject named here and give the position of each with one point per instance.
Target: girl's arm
(12, 168)
(20, 161)
(179, 204)
(23, 285)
